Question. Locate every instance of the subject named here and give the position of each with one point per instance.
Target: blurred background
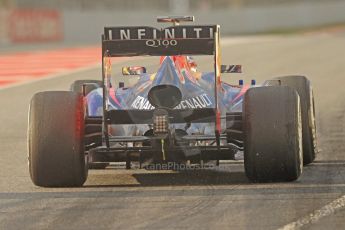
(82, 21)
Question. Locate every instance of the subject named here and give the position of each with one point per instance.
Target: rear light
(160, 121)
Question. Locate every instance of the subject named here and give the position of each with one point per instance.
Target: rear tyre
(272, 134)
(56, 139)
(302, 85)
(90, 85)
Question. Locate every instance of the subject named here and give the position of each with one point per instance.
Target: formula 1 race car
(174, 115)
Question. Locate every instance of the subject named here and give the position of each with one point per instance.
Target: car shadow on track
(168, 179)
(227, 173)
(195, 177)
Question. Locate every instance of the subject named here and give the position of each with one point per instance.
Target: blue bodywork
(197, 92)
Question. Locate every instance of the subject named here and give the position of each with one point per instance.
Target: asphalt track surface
(221, 198)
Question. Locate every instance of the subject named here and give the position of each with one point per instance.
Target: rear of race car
(156, 118)
(173, 115)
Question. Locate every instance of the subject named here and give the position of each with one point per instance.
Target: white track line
(315, 216)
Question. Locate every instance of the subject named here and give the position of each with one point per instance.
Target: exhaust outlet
(165, 96)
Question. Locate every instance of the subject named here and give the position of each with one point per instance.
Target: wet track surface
(194, 199)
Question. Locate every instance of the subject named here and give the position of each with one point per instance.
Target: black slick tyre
(56, 139)
(272, 134)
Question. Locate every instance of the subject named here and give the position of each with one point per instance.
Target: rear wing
(143, 40)
(170, 41)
